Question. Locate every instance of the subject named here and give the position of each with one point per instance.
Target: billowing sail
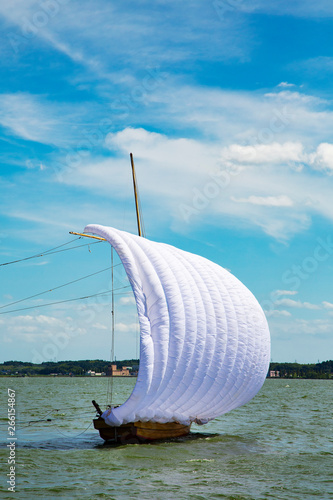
(204, 339)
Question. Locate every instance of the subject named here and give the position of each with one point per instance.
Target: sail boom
(88, 236)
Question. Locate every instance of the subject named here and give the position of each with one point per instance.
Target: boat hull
(136, 432)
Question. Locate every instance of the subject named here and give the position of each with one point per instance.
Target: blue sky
(227, 108)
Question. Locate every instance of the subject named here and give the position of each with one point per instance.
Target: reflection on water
(278, 446)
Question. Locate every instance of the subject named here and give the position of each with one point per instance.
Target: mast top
(137, 207)
(136, 196)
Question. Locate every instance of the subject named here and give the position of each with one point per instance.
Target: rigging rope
(55, 288)
(109, 392)
(72, 435)
(106, 292)
(50, 252)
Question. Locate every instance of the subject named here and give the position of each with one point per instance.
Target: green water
(278, 446)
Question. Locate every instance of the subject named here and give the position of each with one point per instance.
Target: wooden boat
(204, 341)
(138, 432)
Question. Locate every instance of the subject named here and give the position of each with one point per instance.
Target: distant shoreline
(101, 368)
(135, 376)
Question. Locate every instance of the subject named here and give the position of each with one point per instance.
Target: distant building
(114, 372)
(274, 374)
(91, 373)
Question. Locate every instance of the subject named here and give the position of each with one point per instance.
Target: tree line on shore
(322, 370)
(295, 370)
(75, 368)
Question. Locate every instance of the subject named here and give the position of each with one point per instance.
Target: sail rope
(55, 288)
(109, 393)
(53, 422)
(52, 251)
(106, 292)
(72, 435)
(24, 424)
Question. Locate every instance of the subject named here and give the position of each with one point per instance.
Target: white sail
(204, 339)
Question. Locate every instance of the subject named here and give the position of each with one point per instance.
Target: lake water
(278, 446)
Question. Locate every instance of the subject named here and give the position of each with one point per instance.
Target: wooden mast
(136, 208)
(136, 196)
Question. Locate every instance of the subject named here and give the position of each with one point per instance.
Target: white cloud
(126, 327)
(296, 304)
(295, 331)
(278, 293)
(288, 152)
(34, 118)
(265, 146)
(297, 8)
(322, 159)
(314, 327)
(286, 84)
(267, 201)
(127, 300)
(321, 65)
(327, 305)
(24, 115)
(248, 118)
(99, 326)
(277, 313)
(39, 328)
(209, 179)
(186, 153)
(168, 34)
